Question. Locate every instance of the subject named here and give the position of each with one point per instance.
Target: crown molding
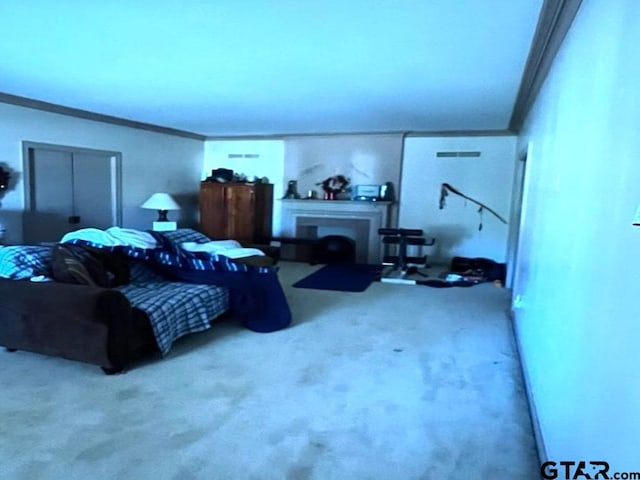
(462, 133)
(284, 136)
(556, 17)
(426, 133)
(96, 117)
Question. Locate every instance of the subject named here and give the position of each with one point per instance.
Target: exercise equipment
(327, 249)
(407, 261)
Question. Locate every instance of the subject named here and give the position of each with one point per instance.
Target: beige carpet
(398, 382)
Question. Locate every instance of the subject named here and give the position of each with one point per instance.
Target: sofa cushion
(25, 261)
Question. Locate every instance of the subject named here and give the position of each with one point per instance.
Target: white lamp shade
(160, 201)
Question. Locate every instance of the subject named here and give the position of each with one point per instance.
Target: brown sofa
(79, 322)
(88, 324)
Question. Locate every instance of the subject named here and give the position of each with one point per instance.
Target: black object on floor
(490, 270)
(335, 249)
(328, 249)
(445, 284)
(342, 277)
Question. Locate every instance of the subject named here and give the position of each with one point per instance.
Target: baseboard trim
(533, 413)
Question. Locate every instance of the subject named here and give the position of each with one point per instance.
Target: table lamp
(162, 202)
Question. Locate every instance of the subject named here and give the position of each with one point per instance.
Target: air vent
(457, 154)
(243, 155)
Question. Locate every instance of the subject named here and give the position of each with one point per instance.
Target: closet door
(67, 190)
(50, 196)
(93, 192)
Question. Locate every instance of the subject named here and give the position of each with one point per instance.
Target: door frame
(520, 199)
(116, 174)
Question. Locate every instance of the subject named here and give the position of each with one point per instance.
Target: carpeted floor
(397, 382)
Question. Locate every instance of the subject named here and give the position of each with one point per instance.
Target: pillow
(25, 261)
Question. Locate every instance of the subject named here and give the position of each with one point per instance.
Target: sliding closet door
(50, 195)
(93, 195)
(69, 189)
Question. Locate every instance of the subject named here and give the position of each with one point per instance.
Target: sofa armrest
(77, 322)
(271, 252)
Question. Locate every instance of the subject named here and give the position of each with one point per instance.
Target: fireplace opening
(355, 229)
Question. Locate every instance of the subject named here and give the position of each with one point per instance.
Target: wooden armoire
(237, 211)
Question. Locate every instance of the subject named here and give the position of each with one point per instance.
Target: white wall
(151, 162)
(487, 178)
(578, 277)
(364, 159)
(372, 159)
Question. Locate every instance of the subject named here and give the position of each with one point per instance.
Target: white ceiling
(269, 67)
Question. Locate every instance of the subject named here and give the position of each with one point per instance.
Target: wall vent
(243, 155)
(468, 154)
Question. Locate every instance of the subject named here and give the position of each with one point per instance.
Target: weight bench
(399, 265)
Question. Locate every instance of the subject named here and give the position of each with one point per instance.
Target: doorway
(518, 220)
(69, 188)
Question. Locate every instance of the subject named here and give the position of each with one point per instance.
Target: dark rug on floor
(342, 277)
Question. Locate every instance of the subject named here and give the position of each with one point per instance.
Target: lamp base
(164, 226)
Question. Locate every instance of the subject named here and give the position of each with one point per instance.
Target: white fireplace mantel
(376, 214)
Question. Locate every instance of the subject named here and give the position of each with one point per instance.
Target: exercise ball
(336, 249)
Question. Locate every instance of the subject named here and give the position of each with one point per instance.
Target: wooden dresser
(238, 211)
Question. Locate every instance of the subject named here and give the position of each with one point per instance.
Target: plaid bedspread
(176, 309)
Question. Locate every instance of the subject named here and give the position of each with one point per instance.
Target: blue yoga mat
(342, 277)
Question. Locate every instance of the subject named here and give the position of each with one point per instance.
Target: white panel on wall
(253, 158)
(487, 177)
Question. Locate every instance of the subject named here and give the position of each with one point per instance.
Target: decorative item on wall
(335, 186)
(444, 192)
(162, 202)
